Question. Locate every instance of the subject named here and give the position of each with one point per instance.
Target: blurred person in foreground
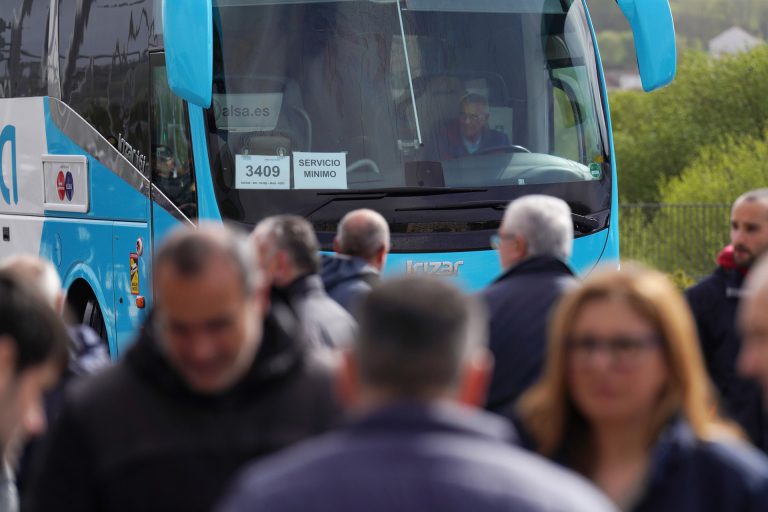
(215, 379)
(534, 243)
(87, 351)
(753, 323)
(418, 442)
(361, 245)
(290, 256)
(715, 301)
(625, 401)
(33, 353)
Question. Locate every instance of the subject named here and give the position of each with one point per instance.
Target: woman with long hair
(625, 401)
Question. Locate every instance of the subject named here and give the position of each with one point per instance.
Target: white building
(733, 40)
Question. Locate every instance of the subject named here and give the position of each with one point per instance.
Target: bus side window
(171, 153)
(23, 46)
(574, 119)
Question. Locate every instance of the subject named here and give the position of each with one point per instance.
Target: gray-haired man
(534, 242)
(290, 255)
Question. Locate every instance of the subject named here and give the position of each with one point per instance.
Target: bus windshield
(312, 97)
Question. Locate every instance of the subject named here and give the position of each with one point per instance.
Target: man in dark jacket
(290, 255)
(87, 351)
(33, 353)
(361, 245)
(534, 242)
(469, 134)
(418, 443)
(215, 380)
(714, 302)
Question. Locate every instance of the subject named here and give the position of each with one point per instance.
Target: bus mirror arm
(189, 59)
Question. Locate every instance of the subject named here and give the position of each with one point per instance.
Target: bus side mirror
(654, 34)
(188, 37)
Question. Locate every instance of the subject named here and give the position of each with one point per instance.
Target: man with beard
(715, 301)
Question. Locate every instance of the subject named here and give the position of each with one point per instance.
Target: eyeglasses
(472, 117)
(623, 351)
(497, 238)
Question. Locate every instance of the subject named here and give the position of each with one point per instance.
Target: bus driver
(469, 134)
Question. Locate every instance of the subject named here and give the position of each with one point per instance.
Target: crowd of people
(269, 377)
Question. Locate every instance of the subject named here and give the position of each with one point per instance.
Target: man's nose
(737, 236)
(202, 348)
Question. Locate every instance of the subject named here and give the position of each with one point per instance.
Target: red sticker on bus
(60, 185)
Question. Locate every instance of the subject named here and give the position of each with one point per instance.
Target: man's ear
(521, 247)
(381, 257)
(336, 245)
(8, 356)
(348, 380)
(262, 299)
(61, 303)
(476, 376)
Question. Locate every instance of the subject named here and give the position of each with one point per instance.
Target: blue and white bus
(122, 119)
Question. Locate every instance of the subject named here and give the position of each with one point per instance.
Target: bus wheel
(93, 318)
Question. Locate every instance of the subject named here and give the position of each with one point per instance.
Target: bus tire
(84, 309)
(93, 318)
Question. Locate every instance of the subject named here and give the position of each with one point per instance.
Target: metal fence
(681, 239)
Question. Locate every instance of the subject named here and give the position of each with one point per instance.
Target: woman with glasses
(625, 400)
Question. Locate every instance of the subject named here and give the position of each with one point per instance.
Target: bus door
(174, 189)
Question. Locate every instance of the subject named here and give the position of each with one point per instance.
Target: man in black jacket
(534, 242)
(714, 302)
(215, 379)
(290, 255)
(33, 353)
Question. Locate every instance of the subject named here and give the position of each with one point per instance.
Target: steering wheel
(362, 164)
(550, 174)
(511, 148)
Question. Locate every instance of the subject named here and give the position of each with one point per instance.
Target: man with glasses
(534, 242)
(217, 378)
(470, 133)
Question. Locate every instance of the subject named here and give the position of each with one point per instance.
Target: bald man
(361, 245)
(715, 301)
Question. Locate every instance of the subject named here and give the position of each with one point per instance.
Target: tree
(684, 236)
(711, 101)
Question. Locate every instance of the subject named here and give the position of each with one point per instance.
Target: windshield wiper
(381, 193)
(581, 223)
(402, 191)
(410, 76)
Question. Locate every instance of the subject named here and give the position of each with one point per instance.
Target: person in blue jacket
(534, 242)
(361, 245)
(416, 443)
(625, 400)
